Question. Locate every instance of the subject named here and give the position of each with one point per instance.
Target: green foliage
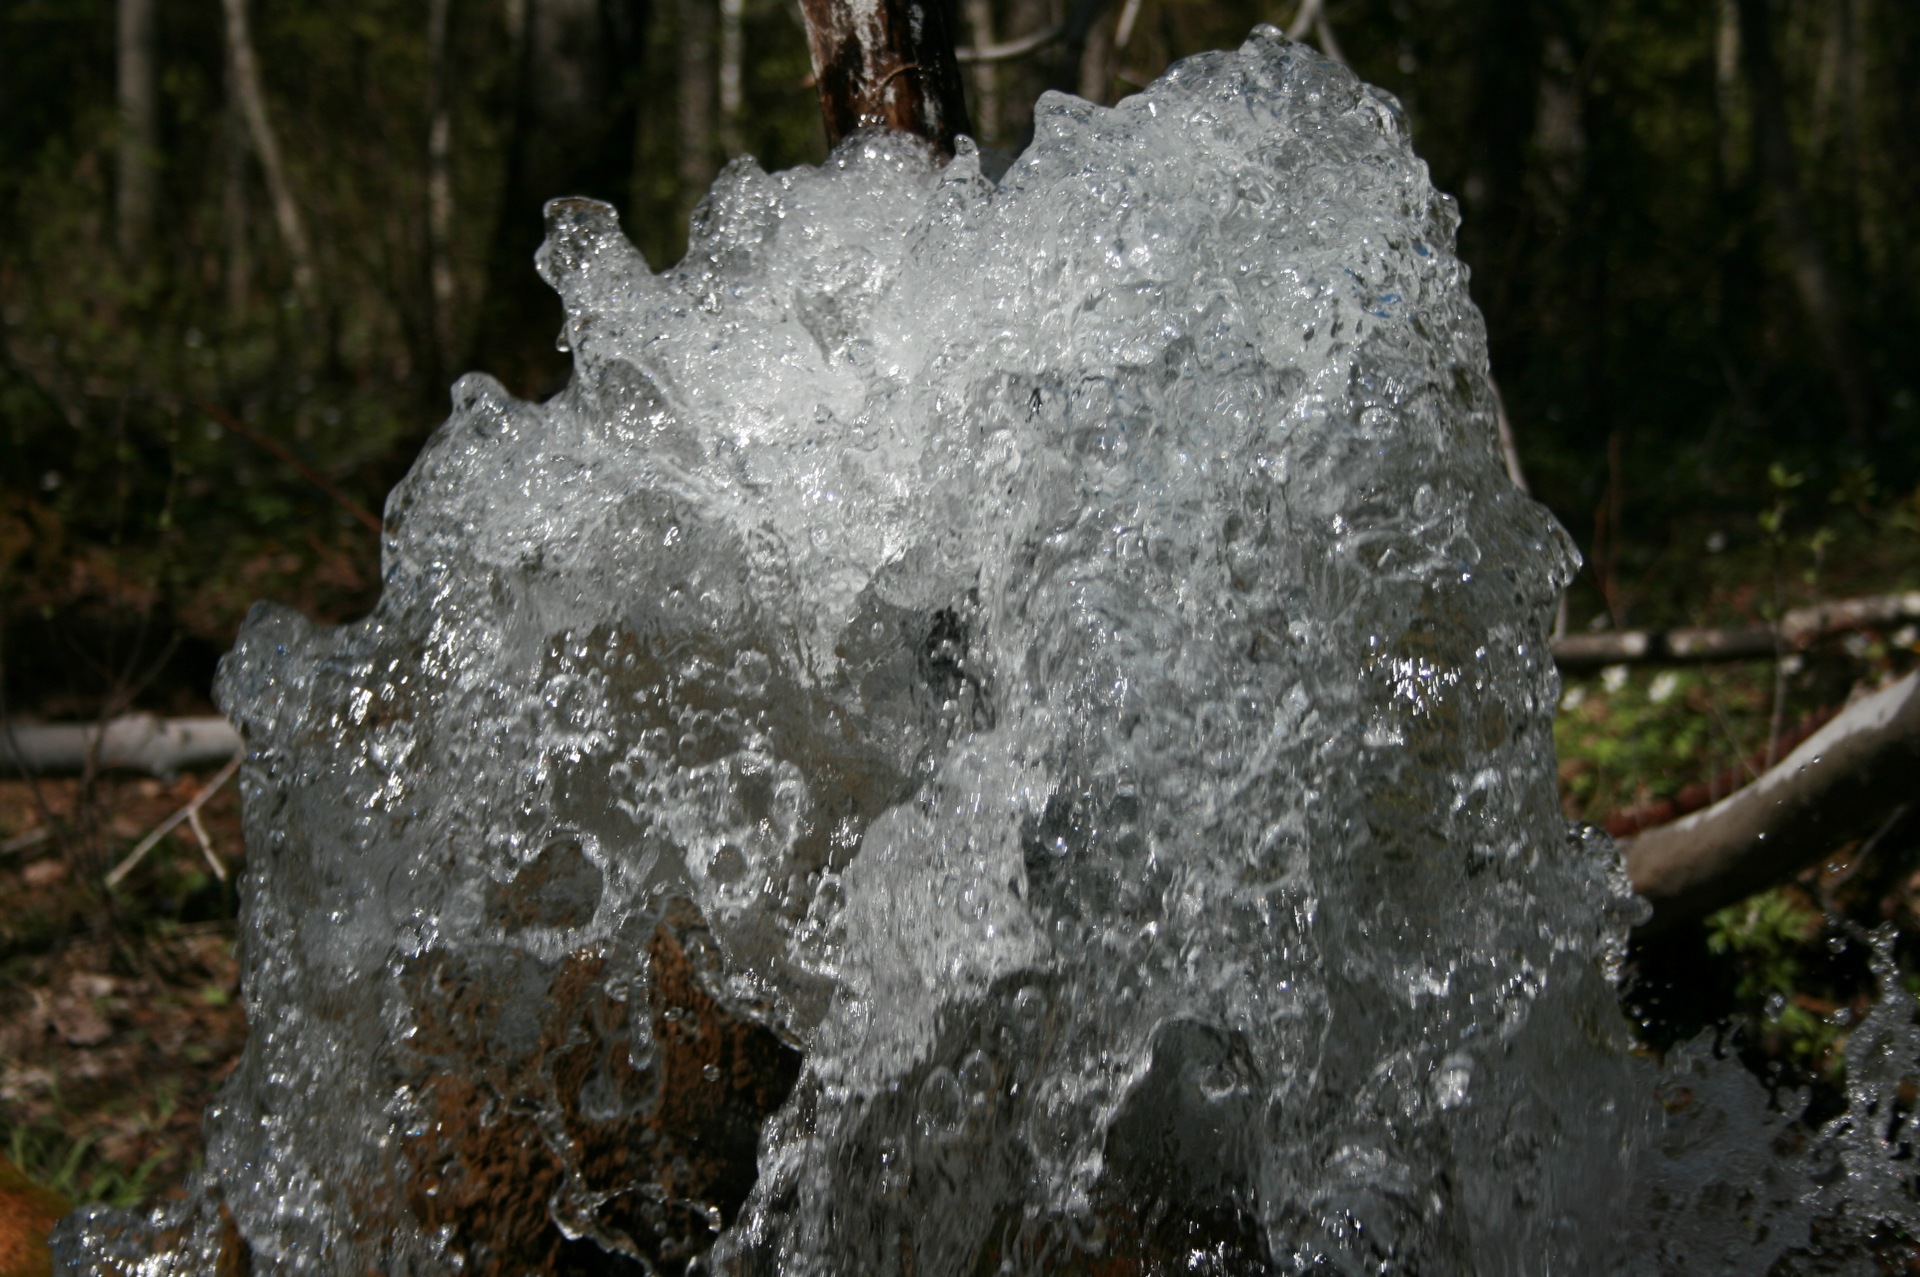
(1632, 735)
(1764, 937)
(73, 1167)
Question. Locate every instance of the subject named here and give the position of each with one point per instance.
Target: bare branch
(1509, 451)
(189, 815)
(1303, 20)
(360, 513)
(986, 77)
(732, 55)
(1840, 784)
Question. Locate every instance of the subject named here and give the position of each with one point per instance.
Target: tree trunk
(695, 93)
(440, 189)
(571, 132)
(1096, 63)
(139, 139)
(234, 220)
(732, 55)
(253, 108)
(887, 63)
(986, 75)
(1779, 171)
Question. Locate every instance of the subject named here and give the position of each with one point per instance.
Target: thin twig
(206, 846)
(280, 450)
(190, 812)
(1740, 759)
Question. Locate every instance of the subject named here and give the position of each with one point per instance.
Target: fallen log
(134, 742)
(1839, 785)
(1799, 629)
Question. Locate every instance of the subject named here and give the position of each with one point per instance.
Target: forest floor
(119, 1014)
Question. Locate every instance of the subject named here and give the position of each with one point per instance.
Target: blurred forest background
(245, 248)
(246, 245)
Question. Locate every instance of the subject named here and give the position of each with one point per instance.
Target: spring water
(997, 726)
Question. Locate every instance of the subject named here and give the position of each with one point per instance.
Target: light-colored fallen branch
(1798, 629)
(188, 815)
(135, 742)
(1839, 785)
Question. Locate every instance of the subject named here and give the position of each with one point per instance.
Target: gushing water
(995, 727)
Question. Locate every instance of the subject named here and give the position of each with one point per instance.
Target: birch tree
(139, 140)
(266, 147)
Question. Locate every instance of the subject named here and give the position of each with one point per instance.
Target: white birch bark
(266, 148)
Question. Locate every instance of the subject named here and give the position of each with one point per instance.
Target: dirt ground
(119, 1011)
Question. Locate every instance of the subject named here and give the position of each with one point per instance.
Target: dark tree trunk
(1779, 173)
(572, 133)
(896, 69)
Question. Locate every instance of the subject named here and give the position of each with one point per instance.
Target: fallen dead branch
(1799, 629)
(134, 742)
(1840, 784)
(188, 815)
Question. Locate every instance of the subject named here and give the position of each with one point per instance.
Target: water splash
(994, 727)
